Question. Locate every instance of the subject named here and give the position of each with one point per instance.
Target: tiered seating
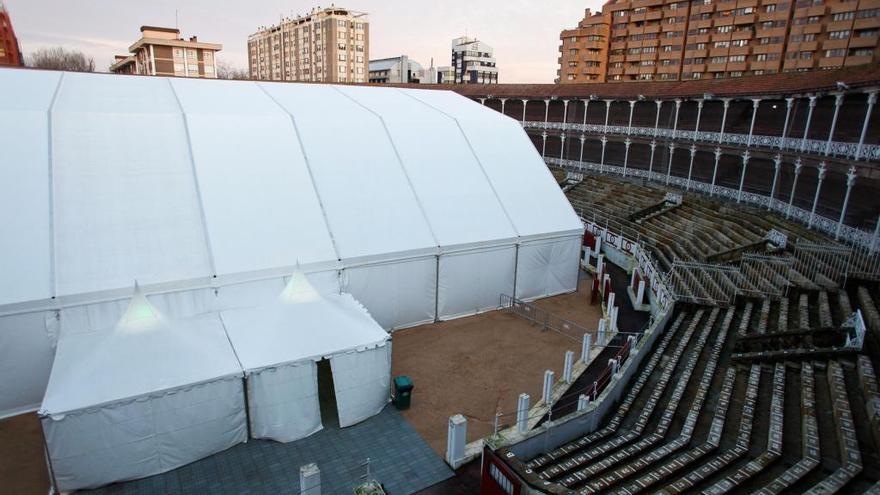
(868, 384)
(809, 438)
(707, 470)
(567, 467)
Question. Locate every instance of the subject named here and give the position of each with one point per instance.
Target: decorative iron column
(699, 113)
(651, 163)
(872, 99)
(562, 146)
(657, 117)
(838, 101)
(627, 142)
(565, 111)
(807, 126)
(755, 103)
(691, 165)
(503, 101)
(742, 178)
(525, 102)
(586, 107)
(632, 106)
(604, 142)
(669, 166)
(798, 165)
(788, 104)
(723, 119)
(715, 169)
(546, 111)
(777, 163)
(850, 182)
(607, 114)
(544, 143)
(582, 138)
(822, 170)
(675, 122)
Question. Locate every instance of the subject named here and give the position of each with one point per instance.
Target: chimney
(194, 38)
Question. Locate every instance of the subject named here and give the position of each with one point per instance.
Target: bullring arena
(652, 288)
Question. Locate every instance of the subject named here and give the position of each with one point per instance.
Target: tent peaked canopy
(140, 314)
(299, 289)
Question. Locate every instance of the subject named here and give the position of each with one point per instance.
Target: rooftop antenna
(176, 23)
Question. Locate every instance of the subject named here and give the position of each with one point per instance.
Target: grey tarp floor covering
(400, 460)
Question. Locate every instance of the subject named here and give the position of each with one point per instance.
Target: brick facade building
(10, 53)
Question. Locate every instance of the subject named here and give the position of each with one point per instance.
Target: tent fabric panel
(548, 267)
(125, 200)
(370, 206)
(471, 282)
(261, 209)
(145, 437)
(362, 381)
(523, 182)
(25, 360)
(283, 402)
(396, 294)
(455, 194)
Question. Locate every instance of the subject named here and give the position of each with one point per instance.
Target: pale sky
(524, 33)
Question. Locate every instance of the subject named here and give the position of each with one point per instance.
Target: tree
(226, 71)
(57, 58)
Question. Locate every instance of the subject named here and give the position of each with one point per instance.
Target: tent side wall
(145, 436)
(548, 267)
(362, 380)
(283, 402)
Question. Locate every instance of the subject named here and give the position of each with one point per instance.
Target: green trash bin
(403, 386)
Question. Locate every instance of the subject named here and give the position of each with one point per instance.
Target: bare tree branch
(57, 58)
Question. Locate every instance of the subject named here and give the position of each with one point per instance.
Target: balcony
(866, 59)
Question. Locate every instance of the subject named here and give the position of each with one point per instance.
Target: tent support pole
(52, 479)
(247, 406)
(515, 268)
(437, 290)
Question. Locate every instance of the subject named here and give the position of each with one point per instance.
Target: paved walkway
(400, 460)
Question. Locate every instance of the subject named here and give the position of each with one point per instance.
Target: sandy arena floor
(22, 466)
(480, 364)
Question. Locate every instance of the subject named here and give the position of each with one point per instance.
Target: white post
(651, 163)
(872, 99)
(565, 111)
(838, 101)
(614, 311)
(777, 163)
(600, 334)
(699, 112)
(675, 122)
(456, 438)
(611, 298)
(583, 401)
(691, 166)
(547, 392)
(788, 104)
(798, 164)
(640, 294)
(522, 413)
(586, 346)
(807, 126)
(755, 103)
(607, 114)
(310, 479)
(600, 263)
(669, 166)
(723, 120)
(483, 101)
(525, 102)
(632, 279)
(632, 106)
(657, 117)
(715, 170)
(581, 156)
(546, 110)
(562, 146)
(586, 107)
(626, 143)
(615, 366)
(604, 142)
(544, 144)
(742, 178)
(503, 101)
(850, 182)
(822, 170)
(568, 366)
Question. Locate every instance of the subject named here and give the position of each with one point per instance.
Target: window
(724, 29)
(667, 48)
(837, 52)
(737, 58)
(868, 33)
(843, 16)
(861, 52)
(573, 52)
(806, 55)
(340, 23)
(739, 43)
(770, 8)
(620, 13)
(178, 52)
(838, 35)
(178, 67)
(865, 14)
(718, 60)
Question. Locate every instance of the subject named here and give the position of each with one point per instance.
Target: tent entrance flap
(327, 394)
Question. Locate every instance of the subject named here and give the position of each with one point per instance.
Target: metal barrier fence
(815, 261)
(864, 263)
(704, 283)
(765, 276)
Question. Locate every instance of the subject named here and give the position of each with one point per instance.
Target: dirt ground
(22, 466)
(478, 365)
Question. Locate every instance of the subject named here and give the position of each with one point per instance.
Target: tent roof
(129, 361)
(107, 179)
(287, 332)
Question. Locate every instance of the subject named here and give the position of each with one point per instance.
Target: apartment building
(162, 52)
(327, 45)
(10, 52)
(473, 62)
(400, 69)
(672, 40)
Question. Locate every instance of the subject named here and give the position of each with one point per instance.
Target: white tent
(279, 345)
(141, 398)
(422, 204)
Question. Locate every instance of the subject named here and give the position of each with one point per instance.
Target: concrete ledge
(632, 300)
